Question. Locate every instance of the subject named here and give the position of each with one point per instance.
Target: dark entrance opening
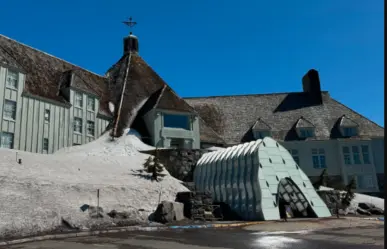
(298, 206)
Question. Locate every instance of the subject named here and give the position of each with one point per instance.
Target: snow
(359, 198)
(111, 107)
(38, 193)
(214, 148)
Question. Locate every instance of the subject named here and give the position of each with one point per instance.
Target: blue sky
(220, 47)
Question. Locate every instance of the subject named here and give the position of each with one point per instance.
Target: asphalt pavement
(371, 237)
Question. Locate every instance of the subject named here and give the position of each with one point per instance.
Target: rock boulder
(168, 212)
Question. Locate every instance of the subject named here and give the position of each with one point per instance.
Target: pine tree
(322, 181)
(349, 192)
(153, 166)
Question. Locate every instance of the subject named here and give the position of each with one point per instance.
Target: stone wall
(180, 163)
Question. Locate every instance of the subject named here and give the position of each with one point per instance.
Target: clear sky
(220, 47)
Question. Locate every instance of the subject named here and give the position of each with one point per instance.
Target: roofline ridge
(161, 94)
(45, 53)
(244, 95)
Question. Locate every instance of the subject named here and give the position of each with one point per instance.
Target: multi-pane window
(365, 154)
(347, 155)
(12, 79)
(78, 99)
(356, 155)
(318, 157)
(90, 128)
(47, 115)
(90, 103)
(45, 145)
(10, 109)
(349, 131)
(295, 156)
(306, 132)
(78, 125)
(6, 140)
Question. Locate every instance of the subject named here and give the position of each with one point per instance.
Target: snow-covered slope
(35, 195)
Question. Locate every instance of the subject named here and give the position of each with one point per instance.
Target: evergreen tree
(322, 181)
(153, 166)
(349, 192)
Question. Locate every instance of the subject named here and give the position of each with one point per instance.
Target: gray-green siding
(30, 128)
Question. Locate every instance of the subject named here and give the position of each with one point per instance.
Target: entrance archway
(299, 207)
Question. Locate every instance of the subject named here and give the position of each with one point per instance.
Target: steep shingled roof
(236, 115)
(46, 75)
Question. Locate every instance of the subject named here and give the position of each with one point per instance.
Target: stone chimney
(311, 85)
(130, 44)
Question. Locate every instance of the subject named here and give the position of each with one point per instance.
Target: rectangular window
(12, 79)
(78, 125)
(90, 128)
(78, 100)
(365, 154)
(90, 103)
(6, 140)
(45, 145)
(318, 157)
(262, 134)
(47, 115)
(347, 155)
(356, 155)
(10, 109)
(177, 121)
(350, 131)
(295, 156)
(306, 132)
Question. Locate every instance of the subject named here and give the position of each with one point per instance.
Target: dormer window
(306, 132)
(348, 127)
(304, 128)
(261, 129)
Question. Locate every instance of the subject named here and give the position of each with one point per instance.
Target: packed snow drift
(37, 194)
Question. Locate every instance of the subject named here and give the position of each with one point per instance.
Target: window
(366, 182)
(12, 79)
(365, 154)
(295, 156)
(10, 109)
(47, 115)
(318, 156)
(356, 155)
(78, 125)
(45, 145)
(261, 134)
(90, 128)
(306, 132)
(347, 155)
(90, 103)
(349, 131)
(78, 100)
(176, 121)
(6, 140)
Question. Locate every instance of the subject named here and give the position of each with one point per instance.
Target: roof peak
(42, 52)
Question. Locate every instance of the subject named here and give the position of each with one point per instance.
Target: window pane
(90, 128)
(12, 79)
(350, 131)
(78, 99)
(176, 121)
(78, 125)
(314, 151)
(47, 115)
(355, 149)
(322, 162)
(364, 148)
(345, 149)
(321, 151)
(90, 103)
(9, 109)
(45, 144)
(6, 140)
(356, 158)
(316, 163)
(347, 159)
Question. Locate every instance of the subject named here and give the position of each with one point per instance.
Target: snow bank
(44, 188)
(359, 198)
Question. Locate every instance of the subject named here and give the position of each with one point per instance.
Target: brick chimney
(311, 85)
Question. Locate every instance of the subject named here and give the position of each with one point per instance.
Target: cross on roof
(130, 23)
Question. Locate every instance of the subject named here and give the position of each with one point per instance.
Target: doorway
(298, 206)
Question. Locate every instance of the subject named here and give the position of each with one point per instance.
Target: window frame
(347, 157)
(45, 141)
(16, 79)
(12, 136)
(92, 100)
(319, 158)
(78, 96)
(88, 127)
(187, 116)
(349, 131)
(363, 152)
(79, 125)
(14, 110)
(306, 132)
(47, 115)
